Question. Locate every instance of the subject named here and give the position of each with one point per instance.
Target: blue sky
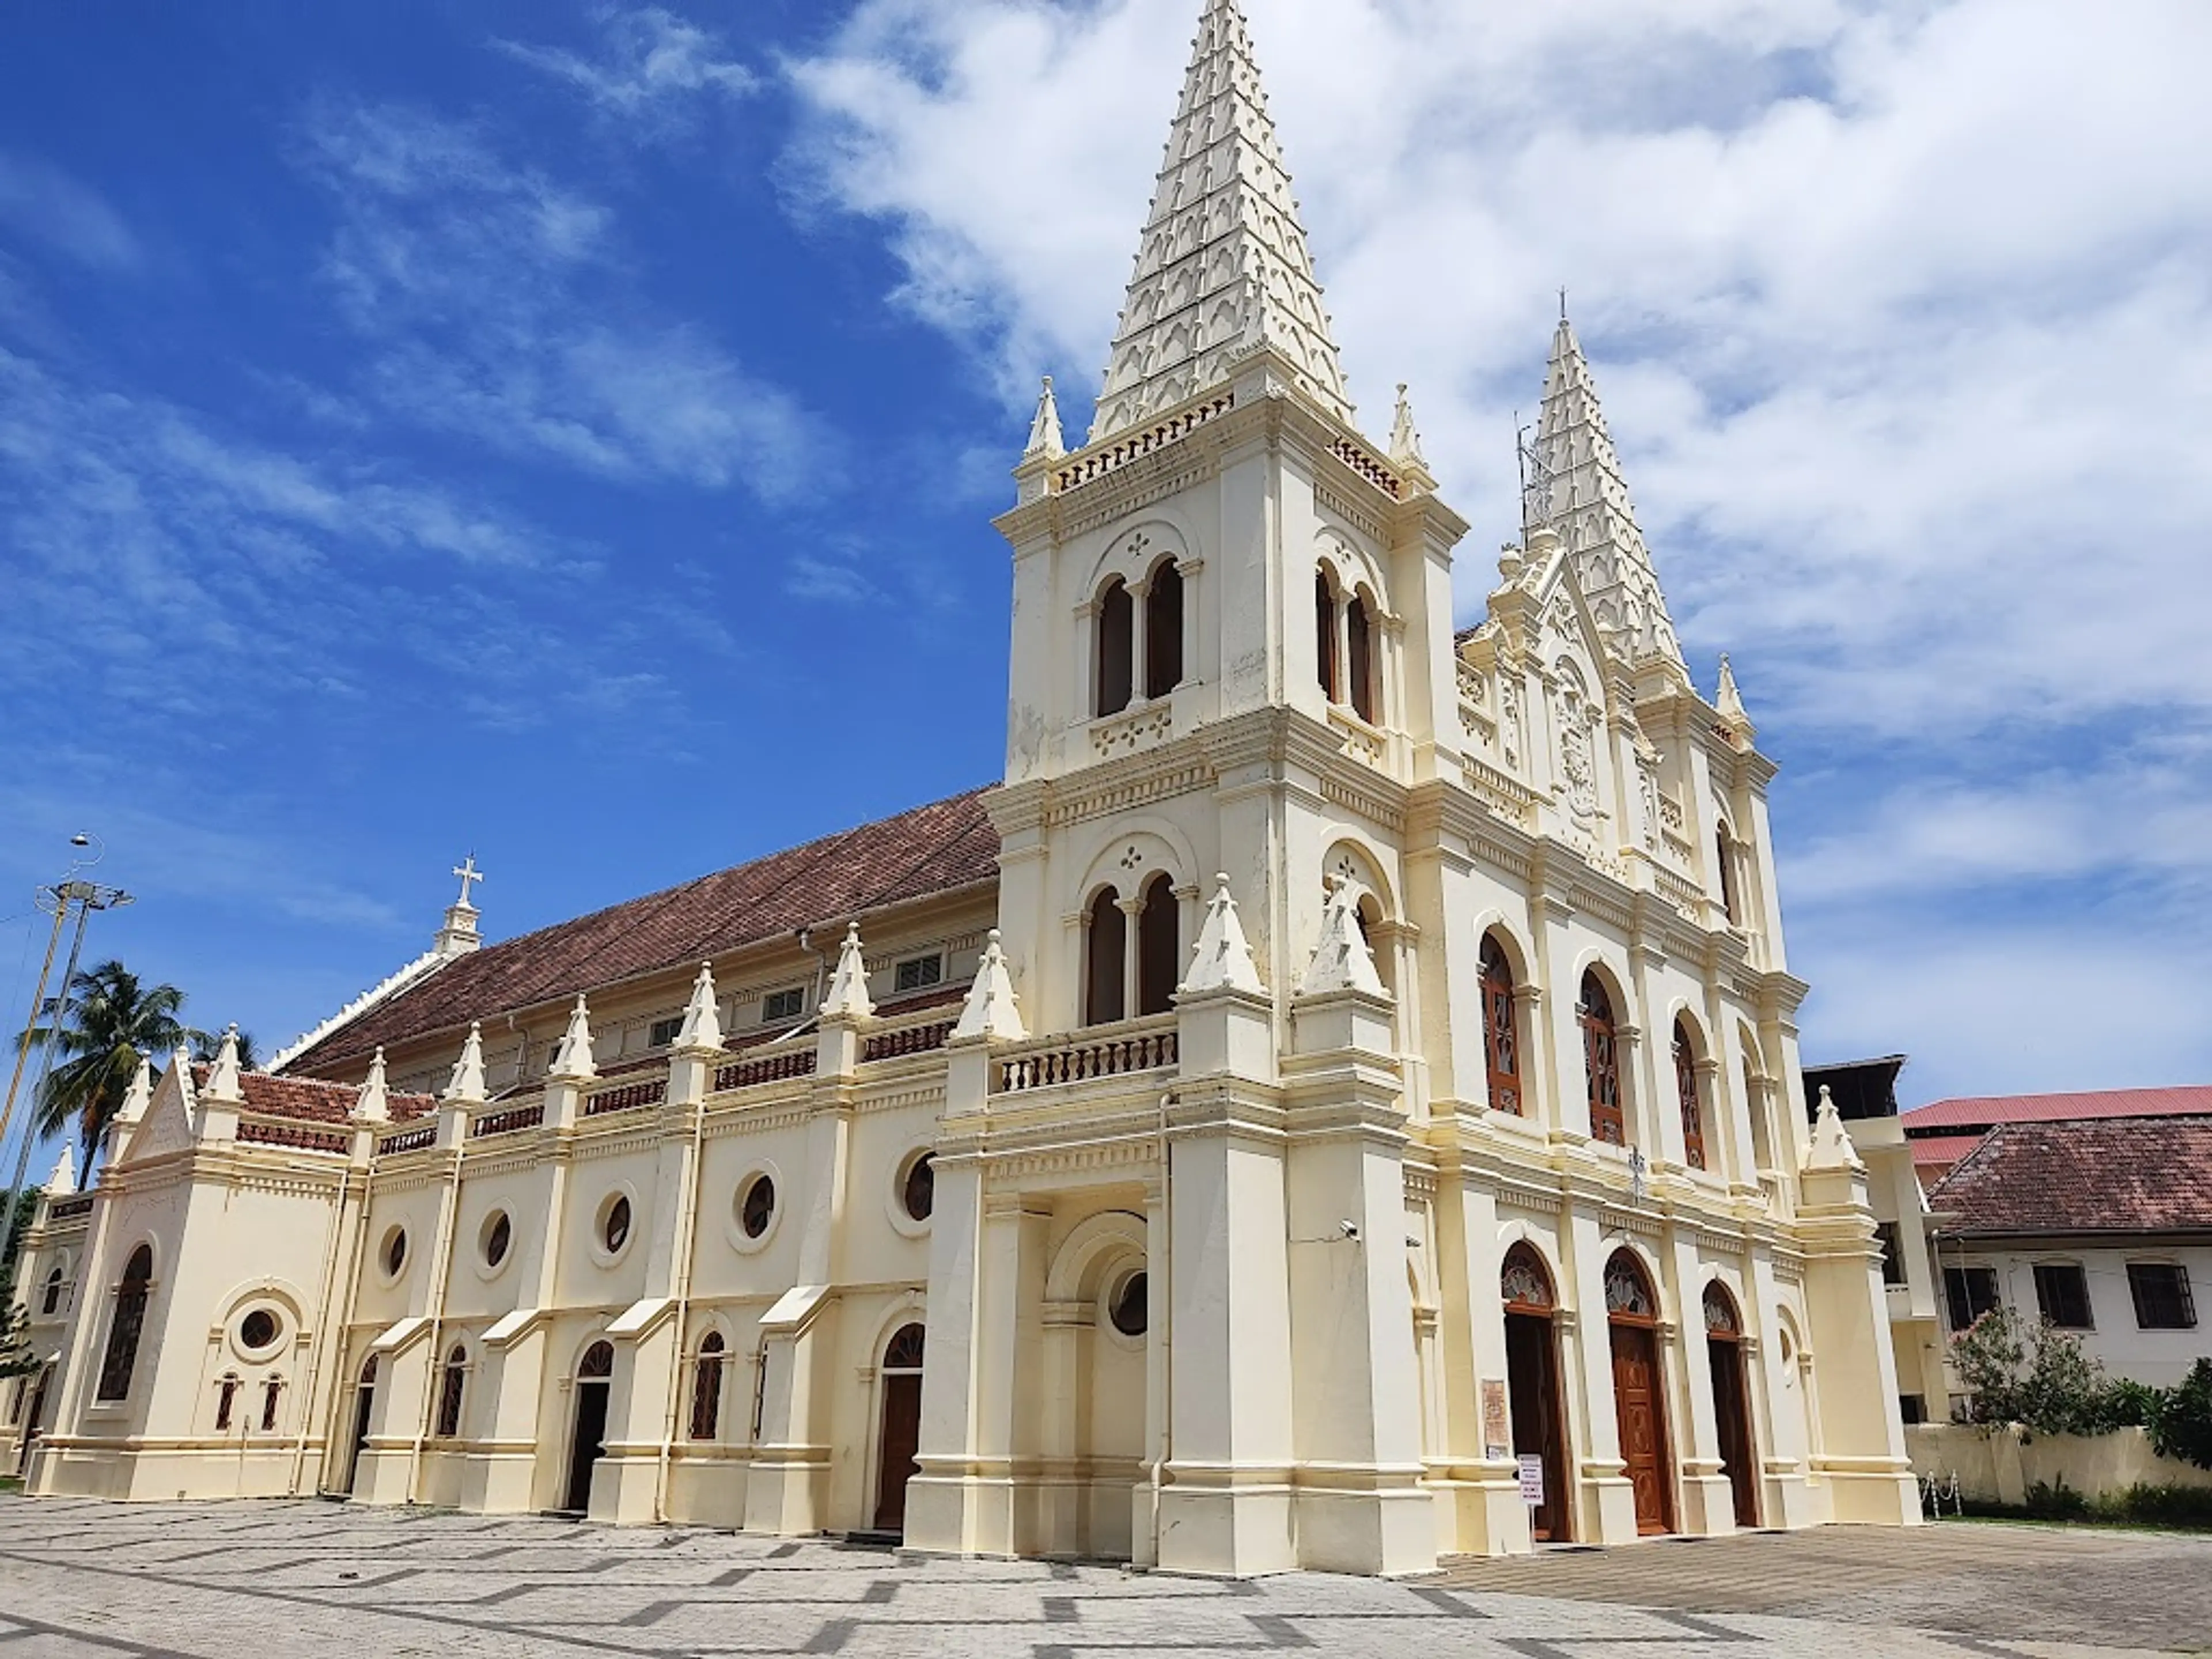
(569, 433)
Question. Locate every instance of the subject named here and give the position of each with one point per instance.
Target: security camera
(1351, 1229)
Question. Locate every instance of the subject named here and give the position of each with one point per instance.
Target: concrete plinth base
(1228, 1532)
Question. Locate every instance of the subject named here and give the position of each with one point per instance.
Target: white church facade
(1334, 1104)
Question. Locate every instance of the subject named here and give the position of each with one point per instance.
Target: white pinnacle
(222, 1077)
(703, 1022)
(1832, 1147)
(373, 1105)
(1728, 702)
(991, 1010)
(467, 1084)
(139, 1095)
(848, 986)
(1405, 440)
(63, 1181)
(1582, 496)
(1223, 269)
(1045, 441)
(1222, 960)
(573, 1060)
(1341, 961)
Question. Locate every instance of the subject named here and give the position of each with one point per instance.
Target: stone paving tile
(207, 1581)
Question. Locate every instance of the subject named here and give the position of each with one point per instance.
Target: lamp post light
(86, 896)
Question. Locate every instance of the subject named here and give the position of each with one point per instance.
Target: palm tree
(114, 1019)
(206, 1045)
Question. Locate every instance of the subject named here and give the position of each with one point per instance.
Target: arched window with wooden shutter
(1501, 1042)
(1686, 1092)
(1601, 1063)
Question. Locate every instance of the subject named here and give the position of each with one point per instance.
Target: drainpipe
(442, 1258)
(325, 1324)
(1166, 1448)
(687, 1224)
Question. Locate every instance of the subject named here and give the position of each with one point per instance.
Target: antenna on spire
(1563, 305)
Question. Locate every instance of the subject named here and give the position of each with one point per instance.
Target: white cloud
(1901, 312)
(498, 307)
(652, 72)
(41, 201)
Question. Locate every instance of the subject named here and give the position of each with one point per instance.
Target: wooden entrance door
(595, 1383)
(31, 1423)
(1732, 1402)
(902, 1427)
(1532, 1371)
(1639, 1405)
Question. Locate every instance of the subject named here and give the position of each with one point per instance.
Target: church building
(1334, 1103)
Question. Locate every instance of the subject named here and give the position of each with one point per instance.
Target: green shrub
(2060, 1503)
(2182, 1426)
(2158, 1506)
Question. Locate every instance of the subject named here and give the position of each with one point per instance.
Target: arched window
(1685, 1090)
(1325, 633)
(1159, 946)
(1721, 1320)
(226, 1396)
(904, 1351)
(1525, 1283)
(1359, 649)
(271, 1392)
(128, 1322)
(598, 1364)
(1105, 998)
(1164, 632)
(449, 1392)
(707, 1389)
(1501, 1046)
(53, 1297)
(1601, 1063)
(1117, 647)
(1724, 863)
(1628, 1295)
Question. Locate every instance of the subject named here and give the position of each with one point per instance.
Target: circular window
(613, 1231)
(1130, 1308)
(499, 1233)
(258, 1330)
(758, 1208)
(395, 1251)
(920, 1193)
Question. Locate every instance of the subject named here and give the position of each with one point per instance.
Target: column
(1478, 1497)
(1608, 1510)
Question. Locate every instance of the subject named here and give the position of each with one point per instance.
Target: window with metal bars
(1602, 1064)
(2163, 1301)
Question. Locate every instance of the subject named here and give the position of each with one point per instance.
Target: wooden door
(31, 1423)
(590, 1443)
(1641, 1414)
(901, 1439)
(1732, 1411)
(1532, 1373)
(364, 1403)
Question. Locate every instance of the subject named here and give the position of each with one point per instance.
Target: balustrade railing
(299, 1137)
(627, 1098)
(1115, 1052)
(1112, 458)
(508, 1121)
(412, 1138)
(769, 1068)
(914, 1040)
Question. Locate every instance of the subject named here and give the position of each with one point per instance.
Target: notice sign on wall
(1497, 1438)
(1532, 1480)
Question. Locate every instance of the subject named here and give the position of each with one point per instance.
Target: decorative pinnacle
(992, 1009)
(1341, 962)
(1222, 959)
(573, 1060)
(466, 1085)
(373, 1105)
(849, 987)
(702, 1021)
(1046, 443)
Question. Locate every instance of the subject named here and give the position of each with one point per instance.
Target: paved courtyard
(274, 1579)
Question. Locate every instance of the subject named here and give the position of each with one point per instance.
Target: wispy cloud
(653, 73)
(496, 304)
(42, 202)
(828, 581)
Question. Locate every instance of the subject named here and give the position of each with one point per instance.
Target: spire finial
(1222, 960)
(573, 1060)
(373, 1105)
(848, 986)
(222, 1082)
(703, 1020)
(1341, 962)
(1045, 441)
(991, 1009)
(470, 875)
(1563, 305)
(1728, 702)
(1405, 438)
(466, 1086)
(458, 936)
(1223, 242)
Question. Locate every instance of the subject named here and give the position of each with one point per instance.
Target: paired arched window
(449, 1392)
(1110, 972)
(1119, 665)
(1686, 1092)
(1601, 1062)
(707, 1387)
(1501, 1044)
(130, 1322)
(1344, 655)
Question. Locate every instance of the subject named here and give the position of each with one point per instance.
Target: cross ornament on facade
(467, 871)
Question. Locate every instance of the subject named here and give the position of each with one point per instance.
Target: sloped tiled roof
(1940, 1151)
(1981, 1111)
(937, 849)
(2095, 1174)
(310, 1101)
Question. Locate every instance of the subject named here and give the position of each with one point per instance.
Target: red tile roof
(1942, 1151)
(2088, 1176)
(310, 1101)
(1980, 1111)
(937, 849)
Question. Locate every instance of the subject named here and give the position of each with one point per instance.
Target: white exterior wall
(2160, 1358)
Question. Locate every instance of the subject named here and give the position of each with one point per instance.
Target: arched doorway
(31, 1417)
(1732, 1401)
(594, 1383)
(1532, 1374)
(901, 1426)
(1638, 1389)
(364, 1402)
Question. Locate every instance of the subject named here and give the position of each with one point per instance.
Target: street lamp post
(86, 897)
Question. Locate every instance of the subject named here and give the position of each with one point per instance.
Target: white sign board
(1532, 1480)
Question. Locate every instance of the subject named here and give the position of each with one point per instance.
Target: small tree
(2183, 1426)
(2065, 1391)
(15, 1357)
(1989, 1354)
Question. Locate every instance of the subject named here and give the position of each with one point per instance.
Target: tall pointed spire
(1588, 506)
(1223, 269)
